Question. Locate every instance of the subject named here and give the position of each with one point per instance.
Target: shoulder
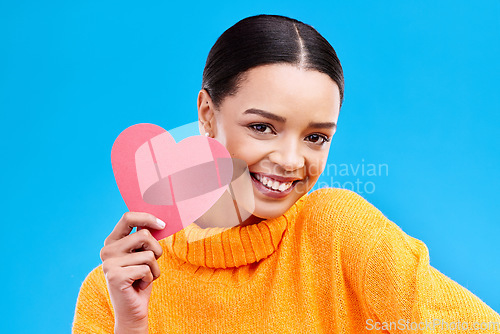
(95, 283)
(94, 311)
(343, 216)
(96, 276)
(341, 205)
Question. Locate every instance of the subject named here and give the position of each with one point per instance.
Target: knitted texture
(332, 263)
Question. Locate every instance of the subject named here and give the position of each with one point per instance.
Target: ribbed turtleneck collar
(229, 247)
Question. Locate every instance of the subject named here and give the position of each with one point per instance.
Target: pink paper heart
(176, 182)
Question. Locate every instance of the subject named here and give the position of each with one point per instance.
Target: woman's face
(280, 122)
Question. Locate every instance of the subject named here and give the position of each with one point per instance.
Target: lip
(273, 193)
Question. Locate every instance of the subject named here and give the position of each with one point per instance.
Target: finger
(144, 282)
(139, 241)
(135, 259)
(127, 276)
(130, 220)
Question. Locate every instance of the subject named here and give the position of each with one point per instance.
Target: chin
(271, 210)
(267, 216)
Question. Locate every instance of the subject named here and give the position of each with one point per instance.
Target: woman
(320, 263)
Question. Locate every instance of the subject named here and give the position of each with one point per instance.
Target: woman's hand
(129, 265)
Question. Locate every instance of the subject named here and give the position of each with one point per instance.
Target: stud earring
(206, 134)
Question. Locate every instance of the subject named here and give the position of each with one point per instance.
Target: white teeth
(273, 184)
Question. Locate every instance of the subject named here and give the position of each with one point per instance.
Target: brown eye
(318, 139)
(261, 128)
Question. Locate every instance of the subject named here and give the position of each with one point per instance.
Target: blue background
(421, 97)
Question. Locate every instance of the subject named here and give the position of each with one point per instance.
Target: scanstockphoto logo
(360, 177)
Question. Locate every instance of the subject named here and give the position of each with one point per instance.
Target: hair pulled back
(262, 40)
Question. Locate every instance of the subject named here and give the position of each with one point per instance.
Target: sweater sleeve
(405, 293)
(94, 311)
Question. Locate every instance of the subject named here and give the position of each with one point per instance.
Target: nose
(288, 157)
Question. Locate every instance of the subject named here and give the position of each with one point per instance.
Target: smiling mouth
(273, 184)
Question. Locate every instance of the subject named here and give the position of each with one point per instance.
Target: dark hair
(266, 39)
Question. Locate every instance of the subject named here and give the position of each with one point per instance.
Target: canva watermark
(431, 325)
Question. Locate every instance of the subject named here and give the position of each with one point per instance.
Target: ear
(206, 114)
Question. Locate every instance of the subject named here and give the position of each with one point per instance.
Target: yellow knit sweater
(332, 263)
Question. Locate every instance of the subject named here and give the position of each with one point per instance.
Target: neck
(251, 220)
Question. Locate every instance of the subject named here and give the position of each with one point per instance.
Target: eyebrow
(274, 117)
(265, 114)
(324, 125)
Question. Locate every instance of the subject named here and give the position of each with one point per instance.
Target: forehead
(289, 91)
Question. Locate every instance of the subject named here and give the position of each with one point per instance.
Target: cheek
(316, 165)
(240, 147)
